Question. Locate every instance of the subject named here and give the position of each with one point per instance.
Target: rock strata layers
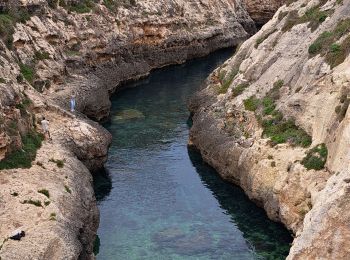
(48, 53)
(269, 109)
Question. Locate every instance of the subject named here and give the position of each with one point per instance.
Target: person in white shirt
(45, 127)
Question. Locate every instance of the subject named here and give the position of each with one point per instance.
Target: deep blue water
(158, 199)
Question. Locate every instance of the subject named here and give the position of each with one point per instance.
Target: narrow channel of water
(159, 200)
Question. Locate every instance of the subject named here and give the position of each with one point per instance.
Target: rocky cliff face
(50, 50)
(262, 11)
(274, 119)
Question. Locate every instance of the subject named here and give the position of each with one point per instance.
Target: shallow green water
(159, 200)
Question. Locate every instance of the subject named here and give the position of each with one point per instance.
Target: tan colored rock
(313, 204)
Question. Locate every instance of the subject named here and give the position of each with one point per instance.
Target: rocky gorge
(54, 49)
(274, 120)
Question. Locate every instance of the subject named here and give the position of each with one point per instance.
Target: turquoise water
(158, 199)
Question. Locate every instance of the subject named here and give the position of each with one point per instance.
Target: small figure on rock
(17, 234)
(45, 127)
(72, 103)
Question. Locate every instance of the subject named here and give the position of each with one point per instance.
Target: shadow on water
(157, 199)
(102, 184)
(269, 239)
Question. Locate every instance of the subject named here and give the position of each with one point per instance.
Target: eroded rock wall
(48, 53)
(310, 88)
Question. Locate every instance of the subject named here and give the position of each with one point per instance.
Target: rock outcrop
(271, 112)
(262, 11)
(87, 48)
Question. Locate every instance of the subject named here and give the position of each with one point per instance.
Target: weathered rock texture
(261, 11)
(313, 204)
(55, 52)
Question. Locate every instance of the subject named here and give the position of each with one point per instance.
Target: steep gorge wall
(49, 52)
(284, 94)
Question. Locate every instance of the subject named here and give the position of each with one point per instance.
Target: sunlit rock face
(267, 112)
(48, 53)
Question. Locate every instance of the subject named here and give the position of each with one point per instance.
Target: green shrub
(227, 81)
(44, 192)
(23, 158)
(2, 80)
(251, 104)
(67, 189)
(239, 89)
(316, 158)
(47, 203)
(326, 45)
(41, 55)
(33, 202)
(82, 6)
(275, 126)
(59, 163)
(27, 72)
(53, 216)
(314, 16)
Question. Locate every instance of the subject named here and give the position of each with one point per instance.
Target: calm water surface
(159, 200)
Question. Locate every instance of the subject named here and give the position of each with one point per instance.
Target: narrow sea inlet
(158, 199)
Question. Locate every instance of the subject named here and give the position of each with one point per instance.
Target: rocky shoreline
(57, 52)
(264, 113)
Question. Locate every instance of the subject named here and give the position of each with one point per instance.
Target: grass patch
(81, 7)
(41, 55)
(27, 72)
(316, 158)
(53, 216)
(67, 189)
(226, 80)
(23, 158)
(59, 163)
(44, 192)
(33, 202)
(314, 17)
(251, 104)
(326, 44)
(239, 89)
(275, 126)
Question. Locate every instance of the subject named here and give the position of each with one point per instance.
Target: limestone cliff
(274, 119)
(50, 50)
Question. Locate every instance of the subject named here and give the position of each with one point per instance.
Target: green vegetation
(8, 21)
(53, 216)
(2, 80)
(344, 105)
(82, 6)
(59, 163)
(239, 89)
(33, 202)
(276, 127)
(114, 4)
(23, 158)
(316, 158)
(326, 44)
(41, 55)
(27, 72)
(67, 189)
(47, 203)
(314, 16)
(251, 104)
(44, 192)
(226, 80)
